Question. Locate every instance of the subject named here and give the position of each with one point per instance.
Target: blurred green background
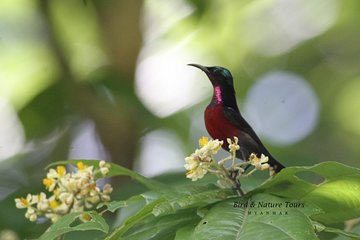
(108, 80)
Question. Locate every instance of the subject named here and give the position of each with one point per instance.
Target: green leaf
(337, 195)
(133, 220)
(240, 218)
(116, 170)
(342, 232)
(112, 206)
(169, 201)
(65, 225)
(185, 233)
(164, 227)
(190, 196)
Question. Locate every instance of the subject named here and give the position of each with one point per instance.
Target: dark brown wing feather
(237, 120)
(248, 140)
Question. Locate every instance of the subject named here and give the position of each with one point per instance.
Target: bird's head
(218, 76)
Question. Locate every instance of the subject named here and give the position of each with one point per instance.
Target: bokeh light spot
(274, 27)
(165, 83)
(160, 152)
(282, 107)
(86, 143)
(12, 137)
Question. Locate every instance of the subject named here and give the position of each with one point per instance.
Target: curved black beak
(203, 68)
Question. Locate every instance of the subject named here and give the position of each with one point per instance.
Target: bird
(223, 119)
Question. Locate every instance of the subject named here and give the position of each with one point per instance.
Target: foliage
(285, 207)
(65, 225)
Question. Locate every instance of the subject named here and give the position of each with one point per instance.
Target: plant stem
(234, 179)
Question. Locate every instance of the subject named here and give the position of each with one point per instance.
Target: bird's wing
(251, 145)
(235, 118)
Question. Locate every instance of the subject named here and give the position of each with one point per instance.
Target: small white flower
(53, 217)
(107, 189)
(196, 173)
(105, 198)
(23, 202)
(52, 174)
(33, 217)
(50, 183)
(43, 203)
(71, 185)
(192, 162)
(213, 146)
(93, 199)
(62, 209)
(31, 214)
(104, 171)
(102, 163)
(67, 198)
(259, 163)
(196, 168)
(233, 145)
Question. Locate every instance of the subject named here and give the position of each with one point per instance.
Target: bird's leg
(237, 185)
(238, 189)
(232, 175)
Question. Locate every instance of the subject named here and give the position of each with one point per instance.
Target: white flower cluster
(202, 161)
(198, 163)
(72, 192)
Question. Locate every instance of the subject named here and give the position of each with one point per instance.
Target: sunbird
(223, 119)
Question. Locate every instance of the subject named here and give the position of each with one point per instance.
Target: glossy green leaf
(241, 218)
(146, 211)
(340, 232)
(112, 206)
(170, 202)
(338, 195)
(164, 227)
(185, 233)
(68, 224)
(189, 197)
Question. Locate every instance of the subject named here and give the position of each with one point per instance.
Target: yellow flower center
(61, 170)
(81, 165)
(48, 182)
(24, 201)
(203, 141)
(53, 204)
